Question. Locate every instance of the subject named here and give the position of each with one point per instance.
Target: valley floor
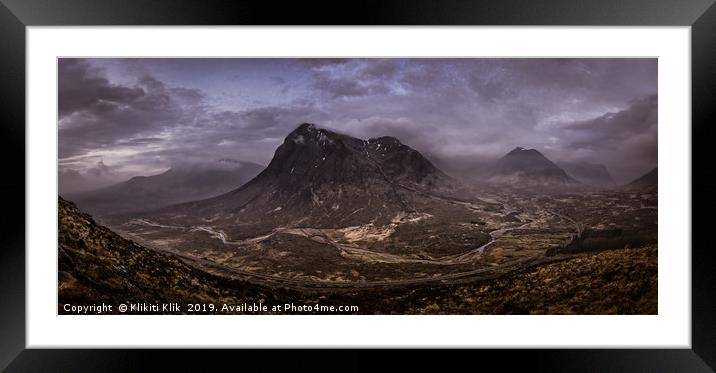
(97, 265)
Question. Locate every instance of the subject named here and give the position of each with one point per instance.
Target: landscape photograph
(365, 186)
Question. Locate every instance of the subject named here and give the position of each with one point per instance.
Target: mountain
(71, 181)
(646, 181)
(528, 168)
(324, 178)
(176, 185)
(589, 173)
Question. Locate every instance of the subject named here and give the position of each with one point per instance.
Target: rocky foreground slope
(620, 281)
(96, 265)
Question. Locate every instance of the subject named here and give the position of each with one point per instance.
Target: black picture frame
(16, 15)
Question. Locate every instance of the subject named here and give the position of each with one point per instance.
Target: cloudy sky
(120, 118)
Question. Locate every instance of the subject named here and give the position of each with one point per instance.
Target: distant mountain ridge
(178, 184)
(648, 180)
(528, 168)
(589, 173)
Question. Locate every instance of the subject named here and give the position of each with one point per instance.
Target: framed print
(480, 176)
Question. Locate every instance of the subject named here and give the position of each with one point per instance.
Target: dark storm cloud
(348, 87)
(319, 62)
(461, 108)
(279, 80)
(249, 125)
(490, 89)
(381, 69)
(597, 79)
(96, 114)
(140, 141)
(626, 140)
(352, 79)
(250, 134)
(609, 130)
(81, 88)
(125, 114)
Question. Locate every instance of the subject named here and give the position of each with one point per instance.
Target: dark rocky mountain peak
(518, 150)
(523, 167)
(324, 177)
(525, 160)
(316, 156)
